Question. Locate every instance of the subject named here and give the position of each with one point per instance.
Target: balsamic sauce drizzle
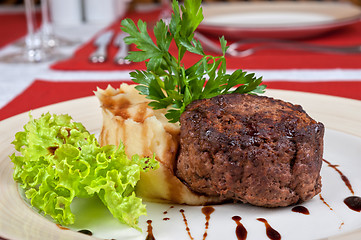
(207, 211)
(166, 212)
(186, 223)
(271, 233)
(86, 232)
(62, 227)
(150, 235)
(323, 200)
(241, 231)
(343, 177)
(354, 203)
(342, 223)
(301, 209)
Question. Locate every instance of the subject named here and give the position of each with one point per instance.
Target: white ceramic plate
(342, 118)
(287, 20)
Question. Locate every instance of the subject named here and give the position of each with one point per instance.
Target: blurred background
(14, 2)
(61, 36)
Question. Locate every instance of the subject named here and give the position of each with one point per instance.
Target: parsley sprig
(167, 82)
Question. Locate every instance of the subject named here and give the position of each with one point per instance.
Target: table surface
(16, 78)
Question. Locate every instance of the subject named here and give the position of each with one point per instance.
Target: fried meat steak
(252, 149)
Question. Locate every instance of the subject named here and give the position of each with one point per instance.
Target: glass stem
(34, 52)
(46, 26)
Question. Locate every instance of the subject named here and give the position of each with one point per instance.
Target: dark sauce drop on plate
(186, 223)
(324, 202)
(166, 212)
(241, 231)
(343, 177)
(301, 209)
(354, 203)
(271, 233)
(150, 235)
(61, 227)
(207, 211)
(86, 232)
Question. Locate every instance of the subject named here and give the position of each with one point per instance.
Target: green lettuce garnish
(59, 160)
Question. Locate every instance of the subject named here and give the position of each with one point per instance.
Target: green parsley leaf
(166, 81)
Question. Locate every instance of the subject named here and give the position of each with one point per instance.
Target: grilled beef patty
(252, 149)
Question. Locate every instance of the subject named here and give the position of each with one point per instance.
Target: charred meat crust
(252, 149)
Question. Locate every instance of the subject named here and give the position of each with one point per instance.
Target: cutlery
(101, 42)
(246, 47)
(123, 49)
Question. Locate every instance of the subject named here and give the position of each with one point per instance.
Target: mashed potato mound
(144, 131)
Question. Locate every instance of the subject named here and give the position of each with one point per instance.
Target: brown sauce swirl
(207, 211)
(354, 203)
(324, 202)
(166, 211)
(150, 235)
(186, 223)
(271, 233)
(343, 177)
(301, 209)
(241, 231)
(86, 232)
(62, 227)
(118, 108)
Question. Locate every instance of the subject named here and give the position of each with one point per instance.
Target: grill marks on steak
(252, 149)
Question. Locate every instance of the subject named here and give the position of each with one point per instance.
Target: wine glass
(49, 39)
(32, 51)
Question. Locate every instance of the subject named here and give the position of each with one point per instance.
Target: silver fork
(120, 57)
(101, 43)
(243, 48)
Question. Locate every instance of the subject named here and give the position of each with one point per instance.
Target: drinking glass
(49, 39)
(32, 51)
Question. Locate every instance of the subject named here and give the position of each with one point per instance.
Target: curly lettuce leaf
(59, 160)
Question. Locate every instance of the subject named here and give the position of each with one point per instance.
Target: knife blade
(123, 49)
(101, 42)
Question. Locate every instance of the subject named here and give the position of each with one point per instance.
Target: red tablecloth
(79, 60)
(265, 59)
(41, 92)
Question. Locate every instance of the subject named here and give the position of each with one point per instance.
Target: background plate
(286, 20)
(342, 118)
